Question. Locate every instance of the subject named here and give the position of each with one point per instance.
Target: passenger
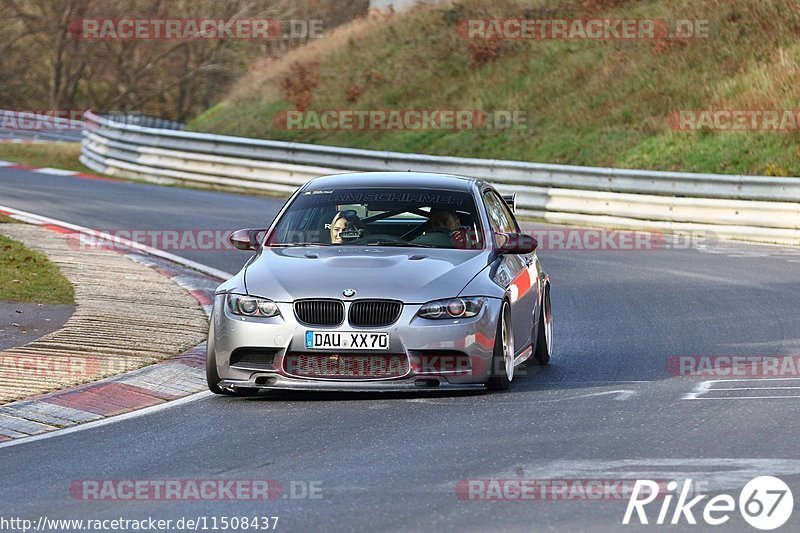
(338, 224)
(345, 222)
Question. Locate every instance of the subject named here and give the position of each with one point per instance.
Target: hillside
(587, 102)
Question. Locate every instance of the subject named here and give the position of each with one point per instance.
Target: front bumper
(446, 354)
(290, 383)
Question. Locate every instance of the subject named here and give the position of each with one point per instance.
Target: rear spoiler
(511, 201)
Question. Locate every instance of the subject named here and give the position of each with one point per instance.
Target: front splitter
(418, 384)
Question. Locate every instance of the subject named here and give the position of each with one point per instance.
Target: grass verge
(587, 102)
(28, 276)
(53, 155)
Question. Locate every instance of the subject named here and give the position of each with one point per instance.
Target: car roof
(390, 180)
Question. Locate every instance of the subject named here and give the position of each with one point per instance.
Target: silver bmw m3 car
(382, 281)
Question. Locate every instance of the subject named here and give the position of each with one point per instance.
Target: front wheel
(502, 369)
(544, 336)
(212, 376)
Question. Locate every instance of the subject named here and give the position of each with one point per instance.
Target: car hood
(413, 275)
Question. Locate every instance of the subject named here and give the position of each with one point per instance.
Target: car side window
(500, 218)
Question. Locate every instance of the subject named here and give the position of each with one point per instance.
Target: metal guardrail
(759, 208)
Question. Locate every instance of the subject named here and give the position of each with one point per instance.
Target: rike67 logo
(765, 503)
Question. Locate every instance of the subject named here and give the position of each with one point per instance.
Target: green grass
(54, 155)
(602, 103)
(27, 276)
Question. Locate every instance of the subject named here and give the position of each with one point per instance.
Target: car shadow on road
(527, 379)
(338, 396)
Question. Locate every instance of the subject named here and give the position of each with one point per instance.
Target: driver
(443, 220)
(439, 228)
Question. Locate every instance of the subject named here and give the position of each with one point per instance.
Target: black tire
(212, 377)
(541, 354)
(498, 379)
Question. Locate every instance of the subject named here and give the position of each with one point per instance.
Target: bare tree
(44, 64)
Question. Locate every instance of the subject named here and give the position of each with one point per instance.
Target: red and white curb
(175, 378)
(55, 171)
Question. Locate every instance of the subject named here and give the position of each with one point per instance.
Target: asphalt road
(22, 322)
(607, 408)
(121, 206)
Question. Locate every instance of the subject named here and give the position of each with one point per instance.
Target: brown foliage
(483, 51)
(353, 93)
(299, 83)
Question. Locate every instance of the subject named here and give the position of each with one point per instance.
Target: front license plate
(350, 340)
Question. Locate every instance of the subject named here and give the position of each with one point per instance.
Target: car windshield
(380, 217)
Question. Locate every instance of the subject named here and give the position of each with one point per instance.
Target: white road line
(621, 395)
(700, 389)
(744, 397)
(110, 420)
(704, 388)
(55, 171)
(756, 388)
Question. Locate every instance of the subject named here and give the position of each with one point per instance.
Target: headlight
(251, 306)
(452, 308)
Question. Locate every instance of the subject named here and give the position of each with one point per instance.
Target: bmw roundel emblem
(349, 293)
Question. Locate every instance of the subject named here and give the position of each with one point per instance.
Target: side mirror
(515, 243)
(246, 239)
